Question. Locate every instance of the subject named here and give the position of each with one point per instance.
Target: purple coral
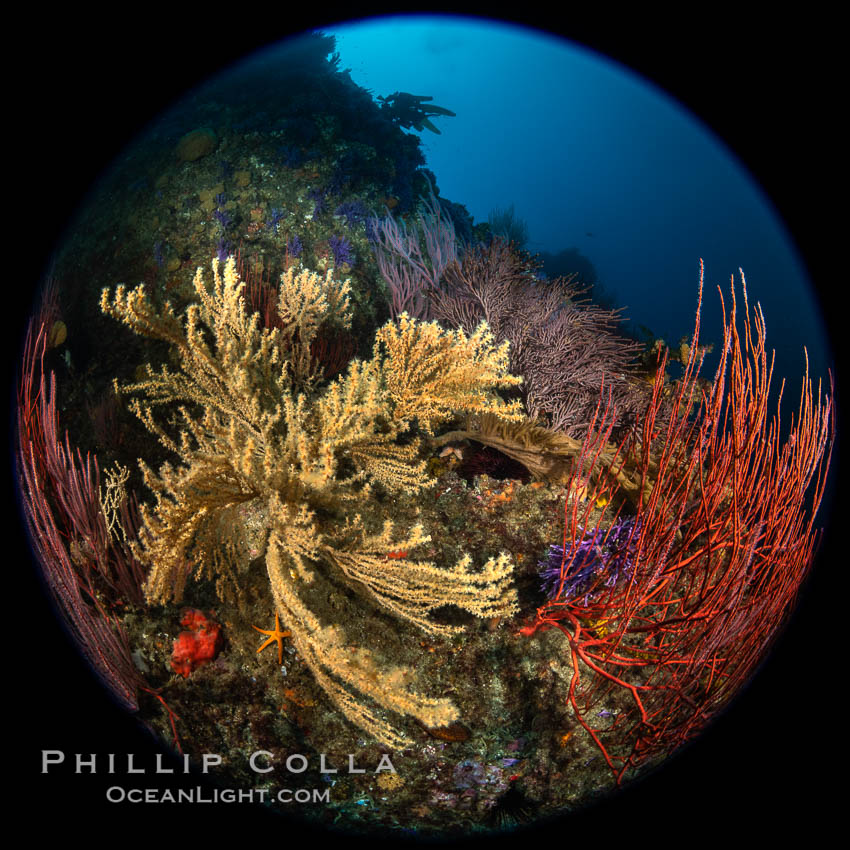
(223, 249)
(409, 270)
(564, 350)
(224, 218)
(317, 196)
(601, 557)
(353, 212)
(341, 250)
(278, 216)
(294, 247)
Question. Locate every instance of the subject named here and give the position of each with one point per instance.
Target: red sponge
(195, 647)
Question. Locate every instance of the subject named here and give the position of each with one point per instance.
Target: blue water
(598, 159)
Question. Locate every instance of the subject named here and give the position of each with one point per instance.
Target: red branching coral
(726, 538)
(197, 646)
(88, 571)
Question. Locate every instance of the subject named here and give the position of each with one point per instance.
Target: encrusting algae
(260, 430)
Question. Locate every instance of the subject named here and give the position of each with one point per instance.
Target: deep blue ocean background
(595, 158)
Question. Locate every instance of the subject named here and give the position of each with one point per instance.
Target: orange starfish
(276, 635)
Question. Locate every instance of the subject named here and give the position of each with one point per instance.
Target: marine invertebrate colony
(79, 536)
(562, 347)
(197, 645)
(608, 554)
(258, 429)
(722, 539)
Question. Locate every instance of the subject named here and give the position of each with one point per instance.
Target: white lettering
(291, 759)
(253, 762)
(304, 795)
(209, 760)
(90, 763)
(385, 760)
(51, 757)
